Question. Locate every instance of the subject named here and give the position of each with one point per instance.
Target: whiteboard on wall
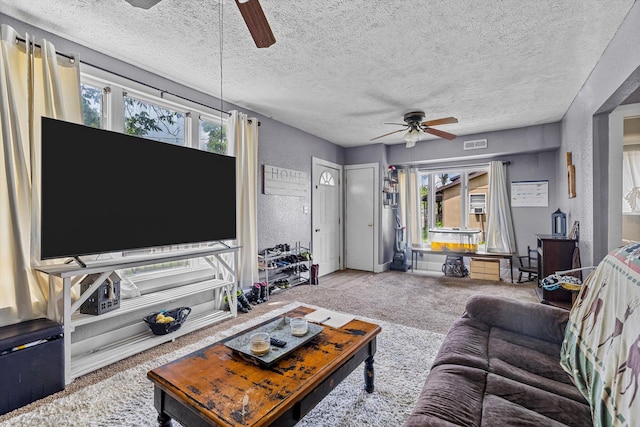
(529, 194)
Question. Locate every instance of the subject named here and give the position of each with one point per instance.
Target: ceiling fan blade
(443, 121)
(387, 134)
(440, 133)
(257, 23)
(399, 124)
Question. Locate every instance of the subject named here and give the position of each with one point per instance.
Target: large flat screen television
(105, 191)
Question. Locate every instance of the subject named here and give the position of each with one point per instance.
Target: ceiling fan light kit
(412, 136)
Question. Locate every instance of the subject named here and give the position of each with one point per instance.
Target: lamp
(412, 136)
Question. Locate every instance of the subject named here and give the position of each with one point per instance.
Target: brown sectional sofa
(499, 366)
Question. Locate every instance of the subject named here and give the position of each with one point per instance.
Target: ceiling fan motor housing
(414, 117)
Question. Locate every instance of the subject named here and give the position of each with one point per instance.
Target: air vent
(475, 145)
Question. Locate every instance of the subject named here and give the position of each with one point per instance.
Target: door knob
(370, 225)
(317, 229)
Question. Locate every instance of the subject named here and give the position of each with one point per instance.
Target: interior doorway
(326, 215)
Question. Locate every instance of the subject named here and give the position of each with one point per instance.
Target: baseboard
(380, 268)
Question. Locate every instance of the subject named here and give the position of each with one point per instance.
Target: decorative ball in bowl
(260, 343)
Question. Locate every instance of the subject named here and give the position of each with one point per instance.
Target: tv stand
(76, 259)
(86, 354)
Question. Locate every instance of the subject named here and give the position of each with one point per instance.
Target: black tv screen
(105, 191)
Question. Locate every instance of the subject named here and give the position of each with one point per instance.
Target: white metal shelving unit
(296, 277)
(137, 337)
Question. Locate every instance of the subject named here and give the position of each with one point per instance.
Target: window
(213, 136)
(153, 121)
(114, 103)
(91, 105)
(326, 178)
(453, 199)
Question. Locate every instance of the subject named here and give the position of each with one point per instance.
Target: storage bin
(485, 269)
(31, 362)
(454, 240)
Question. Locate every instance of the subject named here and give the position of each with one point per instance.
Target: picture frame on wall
(571, 176)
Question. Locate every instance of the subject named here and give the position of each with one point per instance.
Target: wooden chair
(528, 265)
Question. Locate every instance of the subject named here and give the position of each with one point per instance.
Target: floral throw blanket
(601, 349)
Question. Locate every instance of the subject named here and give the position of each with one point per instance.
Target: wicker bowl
(179, 314)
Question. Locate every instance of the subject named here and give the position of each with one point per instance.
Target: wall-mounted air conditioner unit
(477, 204)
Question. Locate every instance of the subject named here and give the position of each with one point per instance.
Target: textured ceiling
(340, 69)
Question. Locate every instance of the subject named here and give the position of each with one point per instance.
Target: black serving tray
(280, 329)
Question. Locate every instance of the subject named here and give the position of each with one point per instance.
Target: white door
(326, 216)
(361, 218)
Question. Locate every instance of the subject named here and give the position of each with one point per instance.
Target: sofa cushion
(452, 396)
(530, 361)
(456, 395)
(535, 320)
(490, 371)
(466, 344)
(508, 402)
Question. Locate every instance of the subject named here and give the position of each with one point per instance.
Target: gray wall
(531, 139)
(585, 133)
(281, 219)
(531, 221)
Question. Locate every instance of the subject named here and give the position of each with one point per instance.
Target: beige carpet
(417, 300)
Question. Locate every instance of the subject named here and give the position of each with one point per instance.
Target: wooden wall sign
(284, 182)
(571, 180)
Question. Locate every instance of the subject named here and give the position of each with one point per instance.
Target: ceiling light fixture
(412, 136)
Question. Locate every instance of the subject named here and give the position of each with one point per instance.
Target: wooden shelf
(144, 340)
(155, 298)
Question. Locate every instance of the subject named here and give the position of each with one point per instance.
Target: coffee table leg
(164, 420)
(368, 374)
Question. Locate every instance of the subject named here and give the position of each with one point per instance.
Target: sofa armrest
(531, 319)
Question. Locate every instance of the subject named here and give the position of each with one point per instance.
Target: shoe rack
(285, 266)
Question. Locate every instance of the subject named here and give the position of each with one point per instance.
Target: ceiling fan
(415, 127)
(251, 12)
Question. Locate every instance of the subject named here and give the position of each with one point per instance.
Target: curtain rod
(72, 59)
(471, 165)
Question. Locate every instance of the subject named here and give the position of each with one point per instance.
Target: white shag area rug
(401, 365)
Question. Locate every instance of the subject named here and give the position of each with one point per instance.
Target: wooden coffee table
(214, 386)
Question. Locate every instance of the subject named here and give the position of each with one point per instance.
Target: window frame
(465, 194)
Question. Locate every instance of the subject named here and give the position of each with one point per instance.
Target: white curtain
(243, 136)
(33, 83)
(409, 206)
(631, 180)
(500, 235)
